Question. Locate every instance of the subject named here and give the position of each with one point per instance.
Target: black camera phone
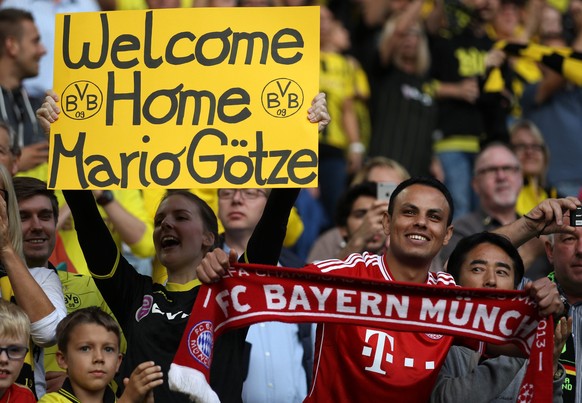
(576, 217)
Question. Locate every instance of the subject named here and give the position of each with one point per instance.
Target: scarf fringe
(191, 382)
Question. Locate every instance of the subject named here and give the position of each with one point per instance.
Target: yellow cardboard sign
(185, 98)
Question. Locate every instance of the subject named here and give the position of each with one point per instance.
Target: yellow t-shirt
(337, 80)
(528, 198)
(80, 291)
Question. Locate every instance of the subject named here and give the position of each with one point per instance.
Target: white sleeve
(43, 331)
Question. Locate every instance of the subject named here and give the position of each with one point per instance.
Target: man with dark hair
(44, 13)
(489, 260)
(358, 215)
(38, 217)
(39, 212)
(34, 288)
(20, 54)
(467, 244)
(358, 225)
(429, 182)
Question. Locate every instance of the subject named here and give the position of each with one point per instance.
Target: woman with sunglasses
(533, 154)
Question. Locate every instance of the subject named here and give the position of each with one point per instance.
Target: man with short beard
(20, 54)
(497, 181)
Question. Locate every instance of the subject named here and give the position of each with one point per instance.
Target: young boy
(14, 335)
(88, 349)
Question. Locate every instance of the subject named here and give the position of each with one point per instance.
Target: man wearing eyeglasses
(281, 354)
(497, 181)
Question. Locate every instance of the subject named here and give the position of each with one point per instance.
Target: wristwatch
(105, 198)
(566, 305)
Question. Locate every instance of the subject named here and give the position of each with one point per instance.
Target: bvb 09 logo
(282, 98)
(72, 301)
(81, 100)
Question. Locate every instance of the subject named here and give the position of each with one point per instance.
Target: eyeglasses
(490, 171)
(246, 194)
(14, 352)
(520, 147)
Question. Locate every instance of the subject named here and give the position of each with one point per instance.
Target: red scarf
(255, 293)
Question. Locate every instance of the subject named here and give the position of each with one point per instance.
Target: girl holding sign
(153, 316)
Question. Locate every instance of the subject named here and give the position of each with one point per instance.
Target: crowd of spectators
(414, 88)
